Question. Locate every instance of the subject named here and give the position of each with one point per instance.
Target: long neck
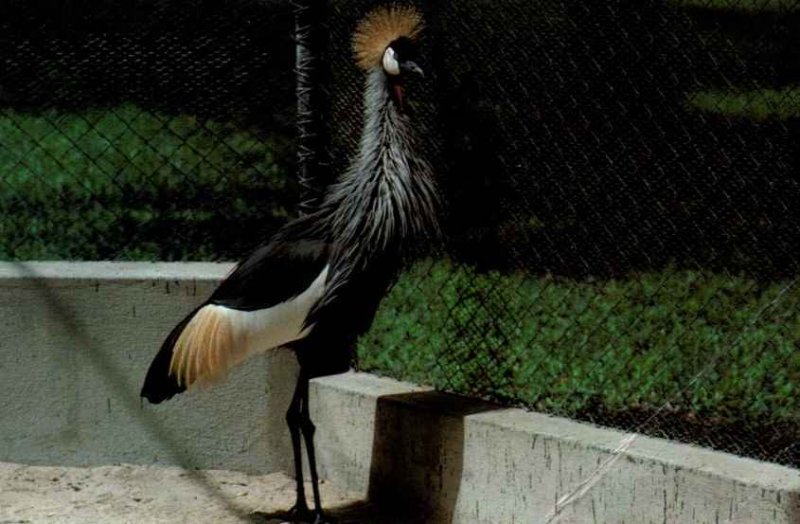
(387, 196)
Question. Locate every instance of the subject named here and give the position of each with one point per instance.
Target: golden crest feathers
(380, 28)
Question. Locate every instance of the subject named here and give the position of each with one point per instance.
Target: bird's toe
(300, 514)
(320, 518)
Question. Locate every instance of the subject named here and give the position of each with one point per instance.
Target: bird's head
(400, 58)
(386, 38)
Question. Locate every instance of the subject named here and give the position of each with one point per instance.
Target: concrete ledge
(457, 460)
(114, 271)
(75, 342)
(76, 339)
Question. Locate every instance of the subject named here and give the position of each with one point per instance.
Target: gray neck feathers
(387, 196)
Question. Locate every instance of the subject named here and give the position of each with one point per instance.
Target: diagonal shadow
(122, 386)
(417, 461)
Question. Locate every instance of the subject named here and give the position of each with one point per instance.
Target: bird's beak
(410, 66)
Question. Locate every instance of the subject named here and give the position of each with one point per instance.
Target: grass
(698, 342)
(758, 105)
(133, 184)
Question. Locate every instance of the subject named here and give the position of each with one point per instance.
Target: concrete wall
(443, 458)
(75, 342)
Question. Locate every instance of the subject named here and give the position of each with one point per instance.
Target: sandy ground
(149, 495)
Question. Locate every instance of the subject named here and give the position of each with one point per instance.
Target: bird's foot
(300, 514)
(320, 518)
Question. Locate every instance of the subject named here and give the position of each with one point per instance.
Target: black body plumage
(316, 285)
(385, 200)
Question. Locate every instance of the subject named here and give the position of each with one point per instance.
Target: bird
(315, 286)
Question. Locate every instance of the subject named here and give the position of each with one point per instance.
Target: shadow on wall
(418, 454)
(416, 463)
(84, 347)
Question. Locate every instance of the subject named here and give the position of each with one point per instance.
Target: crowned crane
(316, 284)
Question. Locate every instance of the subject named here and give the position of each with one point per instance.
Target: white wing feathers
(219, 338)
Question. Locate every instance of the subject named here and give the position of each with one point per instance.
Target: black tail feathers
(159, 385)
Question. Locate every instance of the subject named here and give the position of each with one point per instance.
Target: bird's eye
(390, 63)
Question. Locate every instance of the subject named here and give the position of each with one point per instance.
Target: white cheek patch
(390, 63)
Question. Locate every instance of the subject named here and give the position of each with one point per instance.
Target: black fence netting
(622, 234)
(621, 178)
(145, 129)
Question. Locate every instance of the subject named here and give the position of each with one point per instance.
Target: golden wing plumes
(206, 349)
(380, 28)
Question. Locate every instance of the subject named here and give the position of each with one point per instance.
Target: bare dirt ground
(154, 495)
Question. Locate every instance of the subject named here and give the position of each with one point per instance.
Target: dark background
(634, 162)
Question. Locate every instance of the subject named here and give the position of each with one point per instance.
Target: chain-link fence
(623, 233)
(621, 178)
(147, 129)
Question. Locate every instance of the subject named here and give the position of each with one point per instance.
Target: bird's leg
(308, 429)
(294, 419)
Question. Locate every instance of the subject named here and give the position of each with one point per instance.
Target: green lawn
(702, 342)
(132, 184)
(758, 105)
